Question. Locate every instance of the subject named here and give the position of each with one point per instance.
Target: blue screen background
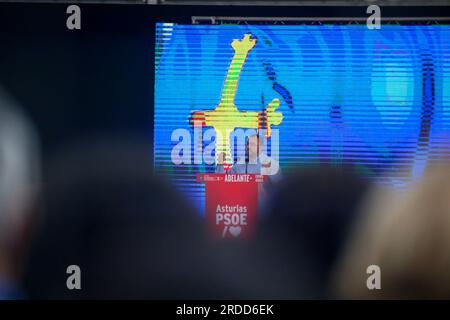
(378, 100)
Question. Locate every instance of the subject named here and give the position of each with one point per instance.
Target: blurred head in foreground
(309, 221)
(19, 184)
(131, 235)
(407, 235)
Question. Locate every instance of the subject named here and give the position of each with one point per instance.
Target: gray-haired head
(19, 164)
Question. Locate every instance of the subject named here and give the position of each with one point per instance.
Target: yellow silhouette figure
(226, 117)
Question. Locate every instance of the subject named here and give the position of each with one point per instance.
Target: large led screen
(338, 95)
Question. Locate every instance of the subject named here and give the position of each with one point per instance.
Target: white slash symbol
(225, 229)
